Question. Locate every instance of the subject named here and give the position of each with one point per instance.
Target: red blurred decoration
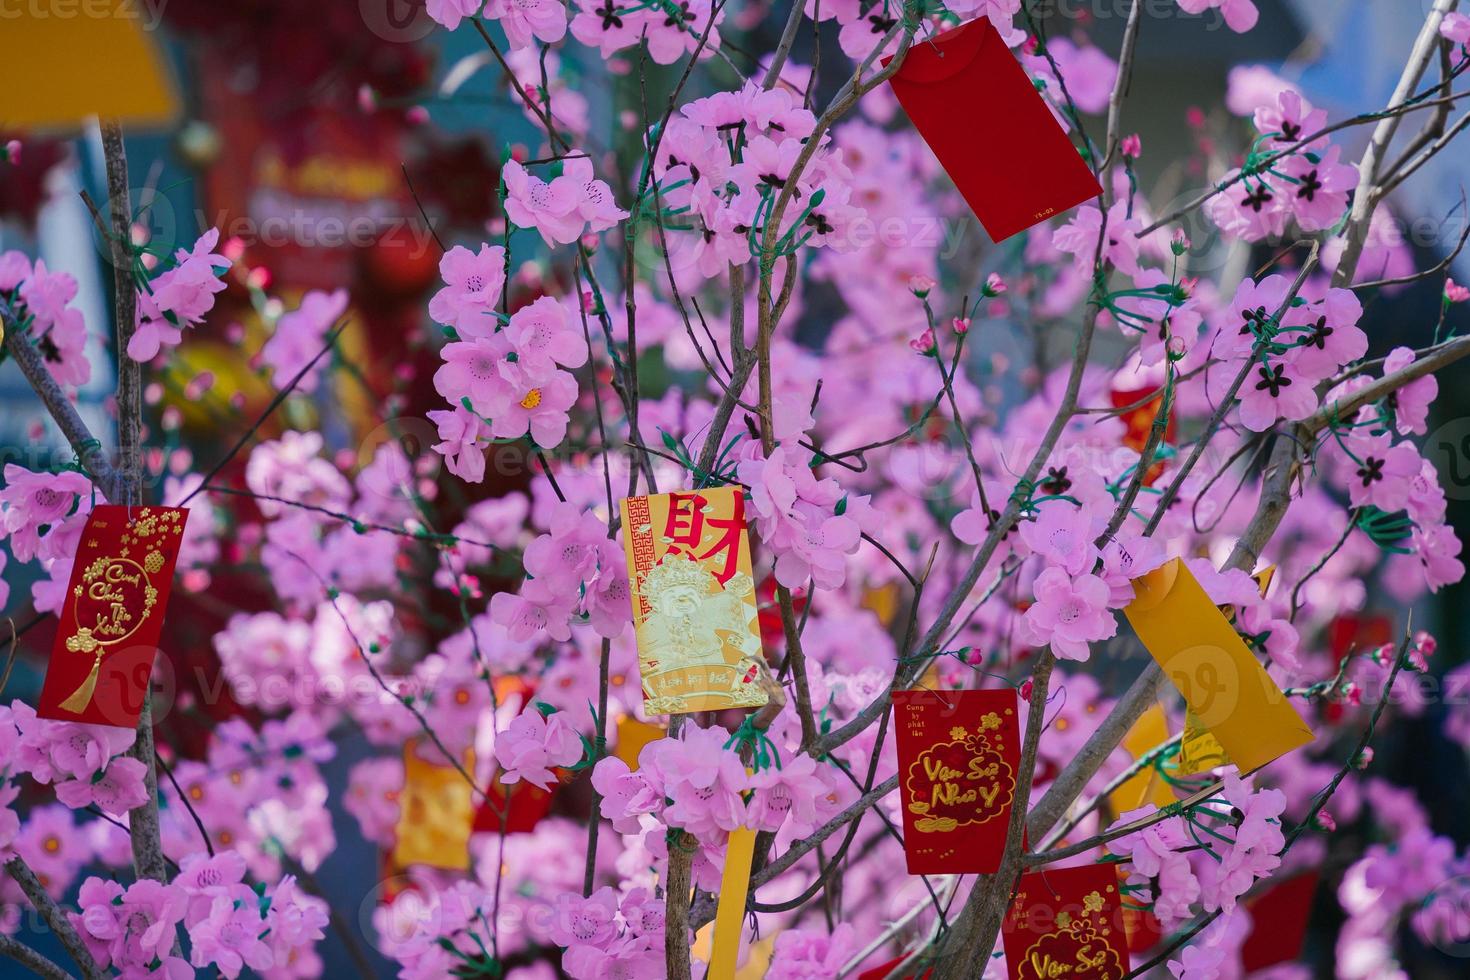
(1139, 419)
(879, 972)
(23, 189)
(1280, 916)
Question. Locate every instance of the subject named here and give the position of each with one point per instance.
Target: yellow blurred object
(231, 374)
(757, 955)
(436, 812)
(67, 62)
(632, 736)
(883, 601)
(1145, 786)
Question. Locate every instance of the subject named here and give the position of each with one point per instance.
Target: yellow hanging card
(65, 63)
(1224, 685)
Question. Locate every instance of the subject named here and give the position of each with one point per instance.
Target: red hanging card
(1066, 922)
(1280, 916)
(102, 658)
(992, 132)
(958, 752)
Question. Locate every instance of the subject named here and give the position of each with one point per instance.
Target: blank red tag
(993, 133)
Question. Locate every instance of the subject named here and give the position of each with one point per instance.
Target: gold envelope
(694, 606)
(1224, 685)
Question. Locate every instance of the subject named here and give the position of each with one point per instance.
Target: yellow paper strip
(1221, 681)
(730, 915)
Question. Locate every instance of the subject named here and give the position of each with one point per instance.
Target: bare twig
(55, 918)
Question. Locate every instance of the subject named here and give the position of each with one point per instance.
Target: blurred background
(342, 145)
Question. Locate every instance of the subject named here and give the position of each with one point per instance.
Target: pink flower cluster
(1237, 840)
(1392, 476)
(572, 204)
(671, 28)
(1319, 333)
(723, 161)
(810, 525)
(1240, 15)
(1079, 583)
(56, 328)
(505, 383)
(574, 574)
(299, 337)
(524, 21)
(39, 512)
(178, 297)
(1309, 186)
(85, 762)
(693, 782)
(230, 924)
(533, 744)
(605, 936)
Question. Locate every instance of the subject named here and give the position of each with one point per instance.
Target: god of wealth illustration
(693, 622)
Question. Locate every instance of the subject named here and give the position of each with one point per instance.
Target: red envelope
(1279, 922)
(520, 805)
(991, 130)
(1066, 922)
(102, 657)
(958, 752)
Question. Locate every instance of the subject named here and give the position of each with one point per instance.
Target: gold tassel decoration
(82, 696)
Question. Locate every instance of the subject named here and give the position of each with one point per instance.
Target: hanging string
(751, 741)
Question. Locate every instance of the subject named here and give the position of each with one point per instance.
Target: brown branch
(1368, 194)
(148, 861)
(88, 449)
(30, 959)
(55, 918)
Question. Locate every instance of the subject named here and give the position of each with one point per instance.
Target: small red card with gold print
(1066, 922)
(102, 658)
(958, 752)
(694, 602)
